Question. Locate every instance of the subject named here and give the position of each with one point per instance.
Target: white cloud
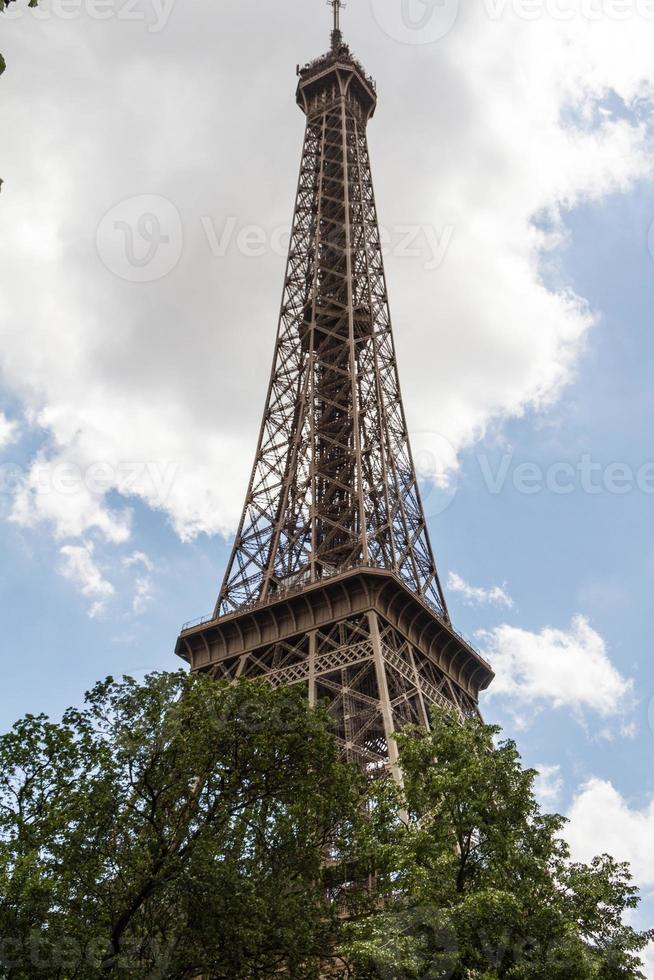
(172, 373)
(143, 594)
(8, 431)
(559, 669)
(602, 821)
(54, 492)
(548, 786)
(143, 584)
(476, 595)
(79, 567)
(138, 558)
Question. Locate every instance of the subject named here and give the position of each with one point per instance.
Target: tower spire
(337, 36)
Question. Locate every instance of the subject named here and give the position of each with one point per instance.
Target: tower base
(362, 643)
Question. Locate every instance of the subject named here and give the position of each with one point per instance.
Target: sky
(149, 157)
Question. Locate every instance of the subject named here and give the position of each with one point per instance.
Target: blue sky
(515, 348)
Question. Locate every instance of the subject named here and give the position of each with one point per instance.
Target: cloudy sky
(149, 157)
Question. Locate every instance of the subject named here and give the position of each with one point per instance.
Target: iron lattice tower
(332, 582)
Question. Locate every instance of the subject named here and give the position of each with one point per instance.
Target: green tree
(477, 882)
(185, 827)
(172, 829)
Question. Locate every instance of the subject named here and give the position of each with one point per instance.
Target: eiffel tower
(332, 582)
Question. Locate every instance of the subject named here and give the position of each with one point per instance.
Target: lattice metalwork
(333, 485)
(372, 679)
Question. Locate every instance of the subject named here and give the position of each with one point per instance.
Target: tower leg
(312, 669)
(384, 696)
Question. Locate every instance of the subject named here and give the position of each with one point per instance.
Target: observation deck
(337, 72)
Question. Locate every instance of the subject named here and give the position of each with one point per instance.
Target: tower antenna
(337, 36)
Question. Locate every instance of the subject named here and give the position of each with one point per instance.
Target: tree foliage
(478, 883)
(173, 829)
(184, 828)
